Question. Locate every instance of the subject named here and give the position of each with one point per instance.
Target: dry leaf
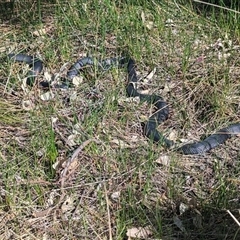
(54, 120)
(77, 80)
(73, 96)
(39, 32)
(146, 91)
(115, 196)
(183, 208)
(44, 213)
(141, 232)
(55, 165)
(47, 96)
(72, 165)
(168, 86)
(77, 128)
(173, 135)
(143, 17)
(123, 100)
(71, 140)
(150, 75)
(52, 198)
(119, 143)
(48, 76)
(40, 152)
(27, 105)
(68, 205)
(170, 22)
(24, 86)
(163, 160)
(148, 24)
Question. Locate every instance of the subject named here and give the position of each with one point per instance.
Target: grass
(120, 180)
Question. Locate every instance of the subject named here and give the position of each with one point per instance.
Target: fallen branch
(70, 161)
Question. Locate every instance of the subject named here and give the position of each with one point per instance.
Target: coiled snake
(161, 114)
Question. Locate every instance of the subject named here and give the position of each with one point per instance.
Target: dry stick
(106, 180)
(8, 79)
(233, 218)
(63, 177)
(108, 213)
(69, 162)
(218, 6)
(3, 157)
(33, 182)
(70, 172)
(88, 184)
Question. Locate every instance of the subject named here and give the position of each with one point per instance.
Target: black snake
(162, 109)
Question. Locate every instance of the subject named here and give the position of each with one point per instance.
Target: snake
(162, 109)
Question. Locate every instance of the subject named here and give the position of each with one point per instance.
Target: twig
(233, 218)
(108, 213)
(218, 6)
(33, 182)
(3, 157)
(69, 162)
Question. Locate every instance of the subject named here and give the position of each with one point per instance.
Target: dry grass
(78, 166)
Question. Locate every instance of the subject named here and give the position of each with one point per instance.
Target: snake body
(35, 64)
(161, 114)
